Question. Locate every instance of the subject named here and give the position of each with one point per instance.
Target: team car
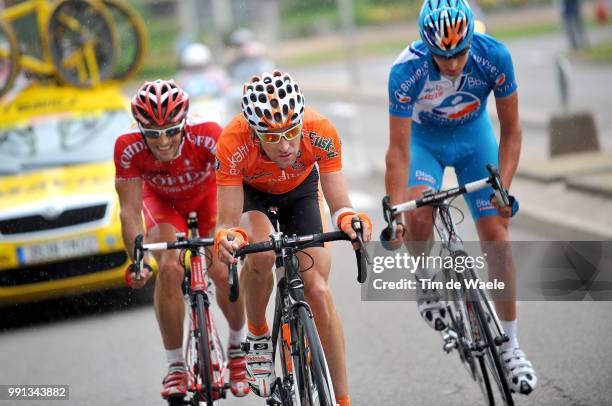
(59, 214)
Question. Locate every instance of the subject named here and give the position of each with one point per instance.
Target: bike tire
(473, 363)
(491, 356)
(9, 57)
(133, 39)
(312, 364)
(203, 344)
(74, 27)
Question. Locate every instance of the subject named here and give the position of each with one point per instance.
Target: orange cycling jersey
(241, 160)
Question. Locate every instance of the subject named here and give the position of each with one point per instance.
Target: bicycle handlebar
(279, 241)
(389, 211)
(180, 243)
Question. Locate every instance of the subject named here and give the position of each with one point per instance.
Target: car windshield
(61, 141)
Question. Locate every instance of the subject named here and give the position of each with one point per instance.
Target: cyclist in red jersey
(164, 170)
(280, 153)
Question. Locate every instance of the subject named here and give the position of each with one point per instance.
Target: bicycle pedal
(499, 340)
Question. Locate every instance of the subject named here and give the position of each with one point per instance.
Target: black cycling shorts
(298, 209)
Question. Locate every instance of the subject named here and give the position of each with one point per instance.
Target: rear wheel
(203, 349)
(132, 39)
(9, 56)
(82, 42)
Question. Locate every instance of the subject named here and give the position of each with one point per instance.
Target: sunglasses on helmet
(274, 138)
(155, 133)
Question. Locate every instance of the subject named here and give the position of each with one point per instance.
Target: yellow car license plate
(75, 247)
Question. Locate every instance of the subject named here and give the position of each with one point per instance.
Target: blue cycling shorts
(468, 148)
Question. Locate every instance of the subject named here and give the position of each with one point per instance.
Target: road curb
(561, 225)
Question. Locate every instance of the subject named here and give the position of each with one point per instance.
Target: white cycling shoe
(432, 308)
(260, 365)
(519, 371)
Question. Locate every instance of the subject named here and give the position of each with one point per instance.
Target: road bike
(73, 40)
(205, 356)
(474, 329)
(305, 376)
(80, 42)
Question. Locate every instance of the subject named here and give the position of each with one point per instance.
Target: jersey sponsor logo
(483, 205)
(324, 143)
(457, 106)
(187, 178)
(239, 155)
(424, 176)
(432, 92)
(402, 97)
(258, 173)
(473, 82)
(501, 79)
(485, 63)
(204, 141)
(417, 75)
(130, 151)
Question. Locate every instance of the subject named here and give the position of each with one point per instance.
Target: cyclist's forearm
(230, 202)
(509, 153)
(396, 175)
(131, 226)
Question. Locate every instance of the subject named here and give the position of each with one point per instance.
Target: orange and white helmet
(272, 101)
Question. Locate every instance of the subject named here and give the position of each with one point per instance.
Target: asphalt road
(111, 356)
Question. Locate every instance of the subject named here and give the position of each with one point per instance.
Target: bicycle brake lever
(138, 256)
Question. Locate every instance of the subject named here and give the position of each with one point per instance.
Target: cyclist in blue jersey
(438, 90)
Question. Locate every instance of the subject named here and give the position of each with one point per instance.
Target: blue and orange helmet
(446, 26)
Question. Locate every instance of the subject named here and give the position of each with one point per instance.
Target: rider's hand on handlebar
(508, 211)
(225, 248)
(130, 275)
(345, 221)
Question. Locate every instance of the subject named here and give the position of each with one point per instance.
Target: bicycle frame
(198, 285)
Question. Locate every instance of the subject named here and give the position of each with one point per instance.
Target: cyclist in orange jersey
(275, 154)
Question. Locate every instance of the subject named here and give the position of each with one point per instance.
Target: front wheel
(203, 349)
(314, 379)
(492, 359)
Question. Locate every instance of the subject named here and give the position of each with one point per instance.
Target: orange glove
(345, 220)
(239, 233)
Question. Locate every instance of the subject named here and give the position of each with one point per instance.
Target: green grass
(524, 31)
(601, 52)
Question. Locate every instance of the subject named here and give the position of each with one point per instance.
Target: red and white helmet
(160, 103)
(273, 101)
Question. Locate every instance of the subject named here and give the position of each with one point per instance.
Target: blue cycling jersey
(450, 126)
(418, 91)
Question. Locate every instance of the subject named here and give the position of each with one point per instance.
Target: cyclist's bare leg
(499, 258)
(233, 312)
(168, 298)
(256, 277)
(328, 322)
(418, 223)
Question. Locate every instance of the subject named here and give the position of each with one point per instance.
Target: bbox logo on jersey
(130, 151)
(402, 97)
(457, 106)
(501, 79)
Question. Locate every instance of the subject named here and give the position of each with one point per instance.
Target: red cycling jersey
(186, 183)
